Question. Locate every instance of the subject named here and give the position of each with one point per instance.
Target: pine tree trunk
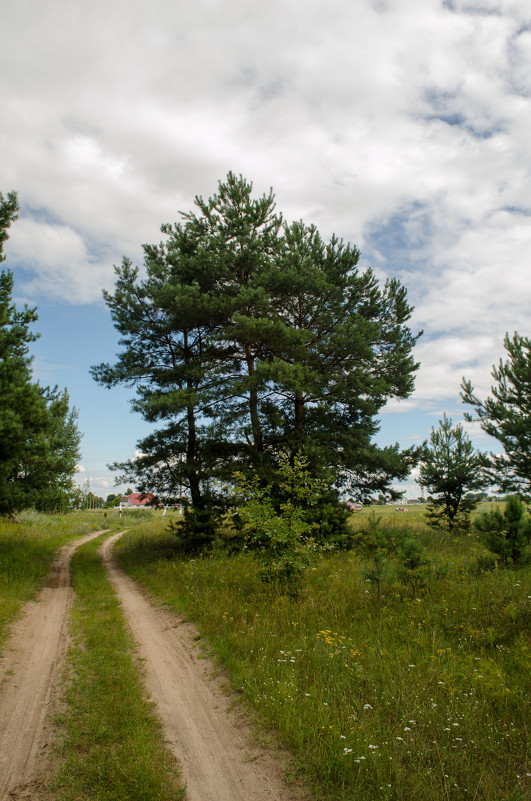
(253, 400)
(299, 413)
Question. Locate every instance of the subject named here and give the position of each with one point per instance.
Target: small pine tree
(507, 535)
(450, 470)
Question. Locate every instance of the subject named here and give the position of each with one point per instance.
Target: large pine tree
(251, 339)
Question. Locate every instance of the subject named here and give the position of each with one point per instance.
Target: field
(413, 687)
(420, 693)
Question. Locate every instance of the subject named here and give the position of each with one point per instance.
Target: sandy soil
(209, 739)
(29, 673)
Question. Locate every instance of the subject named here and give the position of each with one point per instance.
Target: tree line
(251, 341)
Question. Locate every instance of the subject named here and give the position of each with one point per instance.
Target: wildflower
(367, 706)
(373, 746)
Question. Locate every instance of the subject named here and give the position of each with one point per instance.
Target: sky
(401, 126)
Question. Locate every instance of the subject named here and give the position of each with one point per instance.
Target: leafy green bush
(281, 537)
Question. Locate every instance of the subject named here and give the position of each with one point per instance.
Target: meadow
(416, 688)
(422, 692)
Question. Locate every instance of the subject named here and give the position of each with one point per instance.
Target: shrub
(281, 537)
(390, 552)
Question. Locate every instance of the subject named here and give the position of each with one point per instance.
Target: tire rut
(29, 672)
(208, 738)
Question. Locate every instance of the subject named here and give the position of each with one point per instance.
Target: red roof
(140, 499)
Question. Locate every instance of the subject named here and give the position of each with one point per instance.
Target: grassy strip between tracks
(27, 549)
(113, 747)
(420, 692)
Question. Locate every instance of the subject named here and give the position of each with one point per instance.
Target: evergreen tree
(39, 440)
(249, 339)
(237, 238)
(506, 415)
(508, 535)
(337, 349)
(450, 470)
(8, 214)
(167, 329)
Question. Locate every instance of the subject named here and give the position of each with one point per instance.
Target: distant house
(136, 499)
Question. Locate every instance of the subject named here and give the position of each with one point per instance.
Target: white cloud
(358, 114)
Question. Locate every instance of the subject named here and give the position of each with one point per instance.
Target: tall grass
(26, 552)
(113, 747)
(421, 694)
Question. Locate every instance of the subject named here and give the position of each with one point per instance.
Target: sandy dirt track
(208, 738)
(29, 671)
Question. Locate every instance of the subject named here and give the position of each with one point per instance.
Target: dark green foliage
(507, 534)
(376, 543)
(450, 470)
(196, 532)
(506, 415)
(8, 214)
(39, 439)
(390, 553)
(329, 519)
(249, 338)
(411, 561)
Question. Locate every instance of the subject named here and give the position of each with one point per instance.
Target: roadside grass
(113, 746)
(26, 552)
(421, 694)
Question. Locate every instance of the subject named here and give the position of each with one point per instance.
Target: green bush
(280, 538)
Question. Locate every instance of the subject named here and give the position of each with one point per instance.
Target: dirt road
(29, 671)
(207, 737)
